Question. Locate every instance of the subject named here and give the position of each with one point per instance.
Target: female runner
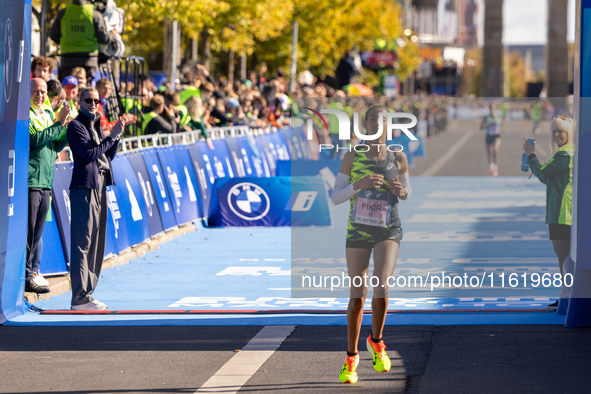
(373, 181)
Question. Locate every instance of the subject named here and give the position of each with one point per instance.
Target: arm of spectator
(100, 29)
(80, 141)
(62, 140)
(216, 113)
(159, 125)
(40, 138)
(55, 33)
(558, 164)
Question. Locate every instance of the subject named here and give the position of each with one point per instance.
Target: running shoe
(381, 361)
(491, 170)
(495, 170)
(349, 372)
(553, 306)
(40, 280)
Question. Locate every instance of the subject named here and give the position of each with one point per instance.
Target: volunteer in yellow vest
(79, 29)
(161, 119)
(557, 175)
(45, 139)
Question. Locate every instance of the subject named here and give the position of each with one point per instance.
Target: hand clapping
(118, 128)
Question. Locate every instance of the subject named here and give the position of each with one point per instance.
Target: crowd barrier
(164, 181)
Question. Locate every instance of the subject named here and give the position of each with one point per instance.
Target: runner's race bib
(372, 208)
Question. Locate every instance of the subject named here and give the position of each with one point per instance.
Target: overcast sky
(525, 21)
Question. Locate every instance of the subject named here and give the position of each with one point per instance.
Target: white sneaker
(89, 306)
(40, 280)
(101, 304)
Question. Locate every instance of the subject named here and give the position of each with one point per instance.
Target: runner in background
(374, 182)
(493, 124)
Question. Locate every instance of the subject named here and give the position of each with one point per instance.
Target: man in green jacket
(46, 138)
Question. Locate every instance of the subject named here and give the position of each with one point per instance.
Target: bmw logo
(248, 201)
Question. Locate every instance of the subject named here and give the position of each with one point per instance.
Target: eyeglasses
(90, 101)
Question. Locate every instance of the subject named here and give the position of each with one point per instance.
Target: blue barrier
(307, 167)
(14, 146)
(246, 161)
(158, 181)
(138, 165)
(299, 146)
(53, 258)
(269, 160)
(131, 200)
(221, 160)
(62, 177)
(186, 163)
(272, 202)
(205, 176)
(183, 196)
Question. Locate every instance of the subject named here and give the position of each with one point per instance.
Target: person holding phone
(93, 172)
(557, 175)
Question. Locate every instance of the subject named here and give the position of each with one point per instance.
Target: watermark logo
(386, 122)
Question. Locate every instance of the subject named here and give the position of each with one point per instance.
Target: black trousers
(39, 203)
(87, 239)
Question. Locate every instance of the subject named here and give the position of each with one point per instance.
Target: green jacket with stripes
(557, 175)
(45, 139)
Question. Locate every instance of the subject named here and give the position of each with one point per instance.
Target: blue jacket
(86, 152)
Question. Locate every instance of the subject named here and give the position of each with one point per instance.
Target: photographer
(557, 175)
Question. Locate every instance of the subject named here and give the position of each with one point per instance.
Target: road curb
(61, 284)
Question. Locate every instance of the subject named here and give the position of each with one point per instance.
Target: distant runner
(493, 125)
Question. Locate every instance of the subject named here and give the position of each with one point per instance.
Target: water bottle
(525, 160)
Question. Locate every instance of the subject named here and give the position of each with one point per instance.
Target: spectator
(80, 74)
(195, 109)
(42, 67)
(217, 111)
(346, 70)
(91, 175)
(56, 97)
(79, 29)
(70, 86)
(104, 88)
(45, 139)
(160, 119)
(236, 115)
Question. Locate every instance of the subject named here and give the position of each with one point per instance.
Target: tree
(330, 28)
(491, 78)
(557, 50)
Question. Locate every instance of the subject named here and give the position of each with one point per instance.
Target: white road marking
(474, 236)
(481, 204)
(439, 163)
(475, 218)
(254, 271)
(239, 369)
(487, 193)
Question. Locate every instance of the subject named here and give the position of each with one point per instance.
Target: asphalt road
(425, 359)
(471, 158)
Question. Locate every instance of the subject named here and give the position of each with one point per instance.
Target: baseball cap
(70, 80)
(233, 103)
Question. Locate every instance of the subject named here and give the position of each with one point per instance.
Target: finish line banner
(273, 202)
